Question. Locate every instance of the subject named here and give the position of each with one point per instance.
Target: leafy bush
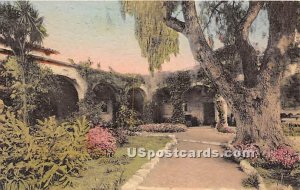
(51, 154)
(251, 181)
(177, 84)
(283, 156)
(100, 142)
(291, 129)
(163, 128)
(127, 119)
(39, 83)
(120, 135)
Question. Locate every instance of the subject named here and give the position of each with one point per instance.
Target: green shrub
(127, 119)
(251, 181)
(291, 129)
(120, 135)
(36, 158)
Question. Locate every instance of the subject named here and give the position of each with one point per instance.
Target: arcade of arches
(198, 101)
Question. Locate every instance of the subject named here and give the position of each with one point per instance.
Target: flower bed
(283, 156)
(163, 128)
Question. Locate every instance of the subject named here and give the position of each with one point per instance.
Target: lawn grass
(110, 173)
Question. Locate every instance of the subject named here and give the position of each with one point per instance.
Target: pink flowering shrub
(100, 142)
(282, 156)
(163, 128)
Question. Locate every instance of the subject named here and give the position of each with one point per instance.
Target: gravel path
(196, 173)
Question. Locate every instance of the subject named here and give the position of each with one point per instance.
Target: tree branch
(173, 22)
(224, 52)
(253, 10)
(208, 60)
(246, 51)
(215, 8)
(283, 19)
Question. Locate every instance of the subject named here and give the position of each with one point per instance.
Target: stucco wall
(79, 83)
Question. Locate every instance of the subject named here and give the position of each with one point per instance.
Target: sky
(95, 30)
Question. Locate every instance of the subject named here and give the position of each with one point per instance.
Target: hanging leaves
(157, 41)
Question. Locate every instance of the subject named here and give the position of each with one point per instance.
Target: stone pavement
(196, 173)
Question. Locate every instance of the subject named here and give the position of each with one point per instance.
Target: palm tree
(21, 29)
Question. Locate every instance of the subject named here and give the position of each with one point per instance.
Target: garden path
(196, 173)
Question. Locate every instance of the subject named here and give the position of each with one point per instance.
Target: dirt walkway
(196, 173)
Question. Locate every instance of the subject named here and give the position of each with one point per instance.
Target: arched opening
(106, 99)
(61, 100)
(199, 106)
(136, 98)
(163, 108)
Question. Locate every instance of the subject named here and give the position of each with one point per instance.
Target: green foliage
(94, 77)
(221, 18)
(50, 154)
(291, 129)
(127, 118)
(120, 135)
(177, 84)
(251, 181)
(21, 27)
(290, 91)
(91, 110)
(38, 83)
(156, 40)
(120, 83)
(148, 112)
(109, 173)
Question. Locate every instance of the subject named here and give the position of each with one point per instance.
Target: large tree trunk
(256, 102)
(258, 118)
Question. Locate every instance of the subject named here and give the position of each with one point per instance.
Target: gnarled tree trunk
(255, 103)
(258, 118)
